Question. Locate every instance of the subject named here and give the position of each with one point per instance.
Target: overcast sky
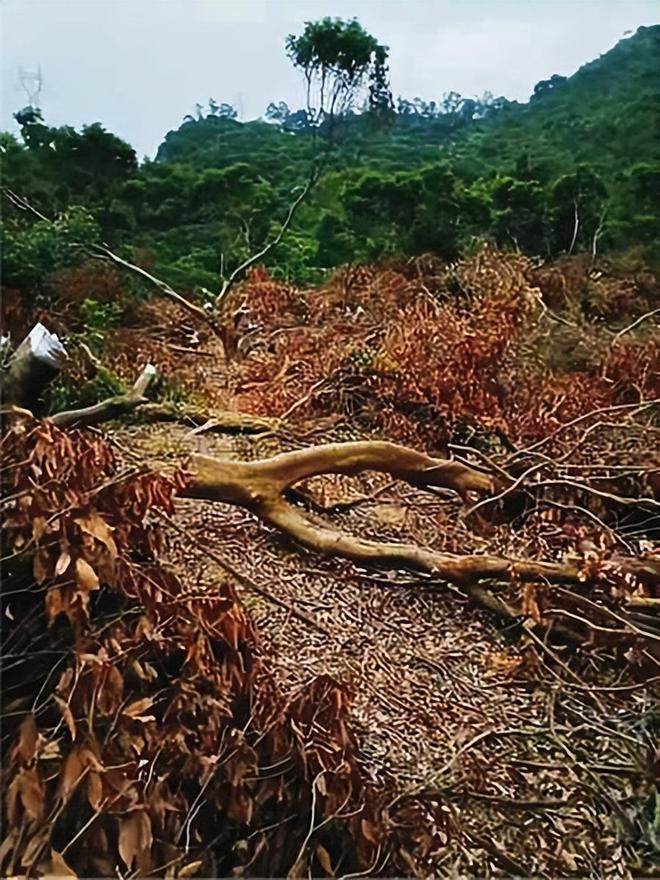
(138, 66)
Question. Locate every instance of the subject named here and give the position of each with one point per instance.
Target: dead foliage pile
(146, 731)
(424, 354)
(142, 730)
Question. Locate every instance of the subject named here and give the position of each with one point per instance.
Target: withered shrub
(476, 350)
(143, 731)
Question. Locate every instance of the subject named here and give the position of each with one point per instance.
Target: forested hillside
(425, 177)
(331, 486)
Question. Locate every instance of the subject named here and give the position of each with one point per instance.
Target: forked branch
(239, 271)
(259, 486)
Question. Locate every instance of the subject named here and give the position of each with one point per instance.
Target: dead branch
(634, 324)
(259, 486)
(621, 407)
(215, 422)
(240, 270)
(103, 252)
(111, 408)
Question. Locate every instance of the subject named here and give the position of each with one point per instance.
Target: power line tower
(31, 81)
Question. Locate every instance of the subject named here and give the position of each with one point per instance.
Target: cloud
(139, 65)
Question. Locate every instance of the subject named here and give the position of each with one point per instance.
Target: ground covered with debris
(541, 760)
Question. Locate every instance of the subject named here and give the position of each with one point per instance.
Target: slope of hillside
(439, 176)
(605, 113)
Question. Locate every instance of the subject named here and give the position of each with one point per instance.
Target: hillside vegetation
(430, 176)
(331, 486)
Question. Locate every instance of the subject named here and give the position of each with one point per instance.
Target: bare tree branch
(229, 282)
(259, 487)
(111, 408)
(103, 252)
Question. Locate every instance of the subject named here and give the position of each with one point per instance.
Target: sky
(138, 66)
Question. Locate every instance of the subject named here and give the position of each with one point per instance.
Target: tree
(31, 254)
(336, 245)
(338, 59)
(278, 113)
(546, 86)
(521, 214)
(578, 201)
(28, 116)
(226, 111)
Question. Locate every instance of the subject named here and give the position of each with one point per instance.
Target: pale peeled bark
(259, 487)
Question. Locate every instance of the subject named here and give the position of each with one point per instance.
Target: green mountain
(577, 168)
(606, 114)
(518, 169)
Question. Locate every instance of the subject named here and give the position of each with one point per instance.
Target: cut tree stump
(34, 364)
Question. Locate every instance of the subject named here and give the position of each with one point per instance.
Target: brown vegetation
(145, 726)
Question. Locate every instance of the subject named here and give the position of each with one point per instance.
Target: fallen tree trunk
(259, 486)
(110, 408)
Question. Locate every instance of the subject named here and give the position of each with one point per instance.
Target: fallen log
(111, 407)
(259, 486)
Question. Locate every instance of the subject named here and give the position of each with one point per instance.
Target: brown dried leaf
(89, 759)
(11, 801)
(39, 524)
(40, 566)
(32, 793)
(324, 858)
(190, 870)
(95, 525)
(137, 708)
(28, 737)
(135, 837)
(369, 831)
(95, 790)
(59, 867)
(112, 693)
(67, 715)
(72, 772)
(55, 603)
(86, 577)
(63, 562)
(529, 604)
(8, 844)
(35, 848)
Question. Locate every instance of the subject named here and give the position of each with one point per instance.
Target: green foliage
(32, 253)
(101, 316)
(66, 394)
(577, 202)
(337, 59)
(442, 174)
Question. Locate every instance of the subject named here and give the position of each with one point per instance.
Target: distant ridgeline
(576, 169)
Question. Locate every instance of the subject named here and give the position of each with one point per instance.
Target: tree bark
(259, 487)
(34, 364)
